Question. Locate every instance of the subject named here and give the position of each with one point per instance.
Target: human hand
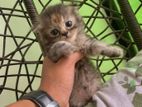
(57, 78)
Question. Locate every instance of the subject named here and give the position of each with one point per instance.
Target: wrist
(58, 93)
(40, 99)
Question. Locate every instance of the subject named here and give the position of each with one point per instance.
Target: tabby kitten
(62, 32)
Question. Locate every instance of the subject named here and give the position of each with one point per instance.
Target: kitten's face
(60, 23)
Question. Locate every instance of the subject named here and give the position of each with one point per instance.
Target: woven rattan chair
(112, 21)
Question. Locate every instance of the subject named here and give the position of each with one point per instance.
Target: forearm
(57, 80)
(59, 88)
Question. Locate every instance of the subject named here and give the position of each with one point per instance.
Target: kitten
(62, 32)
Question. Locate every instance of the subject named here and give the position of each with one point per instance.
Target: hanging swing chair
(21, 51)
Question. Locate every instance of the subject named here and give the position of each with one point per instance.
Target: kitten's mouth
(66, 37)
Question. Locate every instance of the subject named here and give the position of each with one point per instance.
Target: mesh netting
(20, 53)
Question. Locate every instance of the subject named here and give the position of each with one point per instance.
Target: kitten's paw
(113, 51)
(118, 52)
(61, 48)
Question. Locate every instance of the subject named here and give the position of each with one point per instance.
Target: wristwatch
(41, 99)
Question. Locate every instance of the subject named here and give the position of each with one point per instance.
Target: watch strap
(41, 98)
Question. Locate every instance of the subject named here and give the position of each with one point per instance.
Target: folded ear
(74, 8)
(37, 29)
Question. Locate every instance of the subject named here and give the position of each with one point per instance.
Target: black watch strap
(41, 98)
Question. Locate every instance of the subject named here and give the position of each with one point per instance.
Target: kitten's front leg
(60, 49)
(95, 47)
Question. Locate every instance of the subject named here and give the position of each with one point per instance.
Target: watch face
(53, 104)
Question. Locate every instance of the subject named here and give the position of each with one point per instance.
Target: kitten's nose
(65, 34)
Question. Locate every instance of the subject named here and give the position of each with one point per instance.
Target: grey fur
(87, 79)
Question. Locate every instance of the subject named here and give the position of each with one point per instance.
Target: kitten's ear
(75, 9)
(74, 5)
(37, 28)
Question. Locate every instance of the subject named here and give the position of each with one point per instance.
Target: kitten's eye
(54, 32)
(68, 23)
